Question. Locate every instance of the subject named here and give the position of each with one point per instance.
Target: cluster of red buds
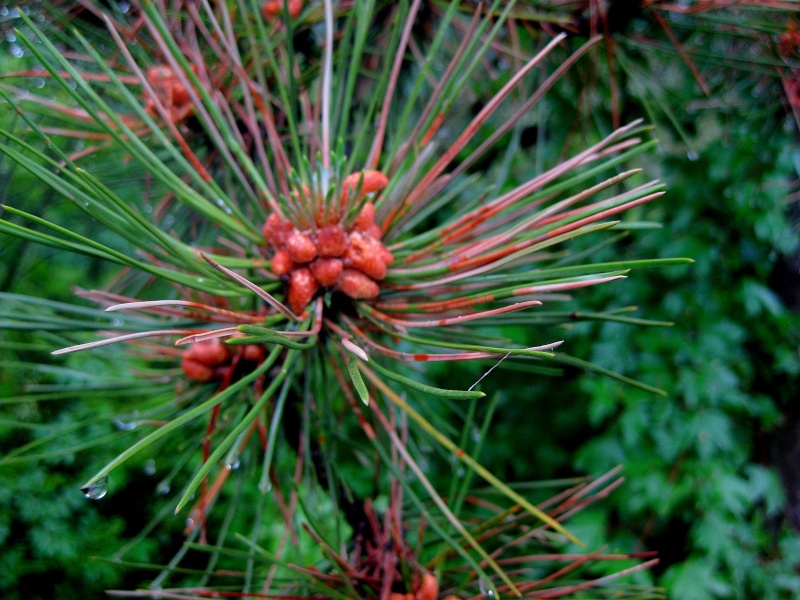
(214, 359)
(171, 93)
(428, 589)
(350, 259)
(272, 9)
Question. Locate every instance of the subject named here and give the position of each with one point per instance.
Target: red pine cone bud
(373, 181)
(428, 589)
(366, 254)
(281, 263)
(327, 271)
(195, 370)
(332, 241)
(365, 219)
(211, 353)
(357, 285)
(276, 231)
(301, 248)
(254, 353)
(302, 287)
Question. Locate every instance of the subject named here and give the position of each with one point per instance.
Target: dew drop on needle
(96, 490)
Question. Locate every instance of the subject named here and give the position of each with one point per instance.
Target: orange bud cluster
(274, 9)
(212, 359)
(428, 589)
(171, 92)
(351, 261)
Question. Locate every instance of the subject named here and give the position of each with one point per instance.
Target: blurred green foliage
(700, 484)
(703, 487)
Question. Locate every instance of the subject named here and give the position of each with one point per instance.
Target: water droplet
(228, 210)
(4, 11)
(232, 466)
(265, 486)
(200, 280)
(10, 37)
(692, 155)
(460, 472)
(96, 490)
(16, 51)
(124, 7)
(150, 467)
(162, 488)
(220, 202)
(475, 434)
(39, 82)
(123, 426)
(486, 589)
(189, 522)
(118, 322)
(168, 221)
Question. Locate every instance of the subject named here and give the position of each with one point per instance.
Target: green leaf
(426, 389)
(358, 382)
